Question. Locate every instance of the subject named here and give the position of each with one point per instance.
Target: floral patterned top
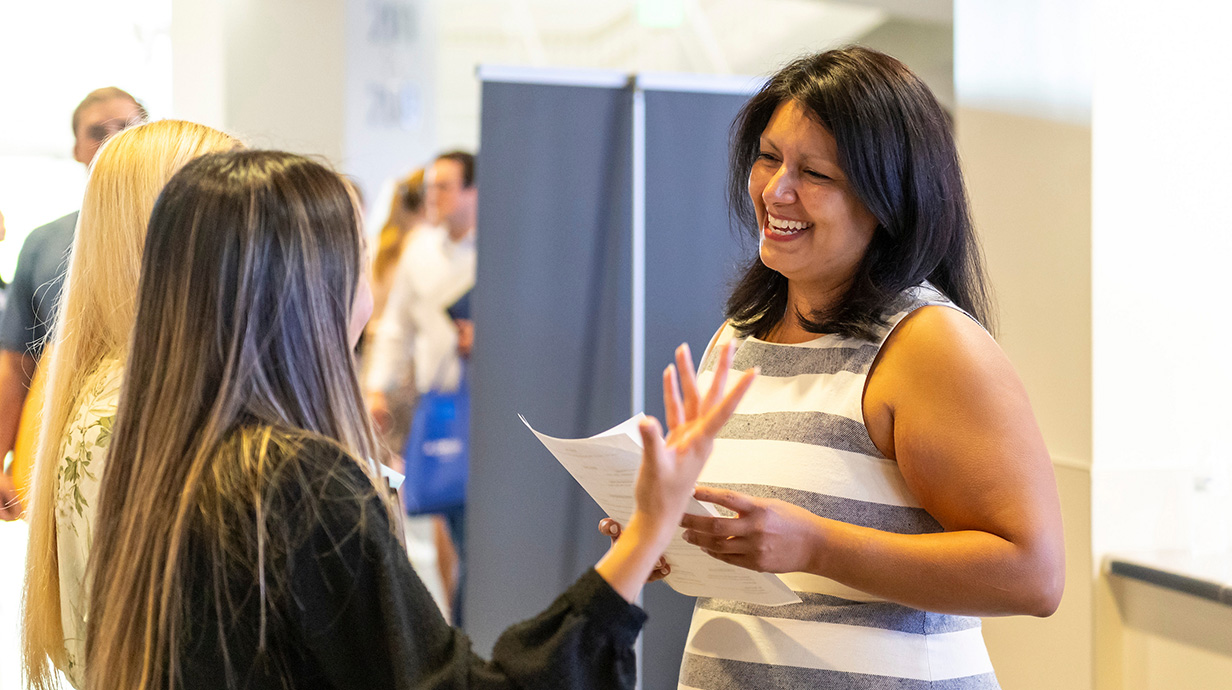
(82, 457)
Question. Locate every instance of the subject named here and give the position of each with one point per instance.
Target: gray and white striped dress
(799, 436)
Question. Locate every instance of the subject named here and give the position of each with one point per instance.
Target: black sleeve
(369, 622)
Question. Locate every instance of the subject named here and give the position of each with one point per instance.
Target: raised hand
(670, 466)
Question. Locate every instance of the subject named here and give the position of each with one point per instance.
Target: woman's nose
(781, 188)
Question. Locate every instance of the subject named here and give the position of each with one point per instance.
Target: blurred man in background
(34, 294)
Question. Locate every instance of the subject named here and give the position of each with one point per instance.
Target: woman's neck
(806, 302)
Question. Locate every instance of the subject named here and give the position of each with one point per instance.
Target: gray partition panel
(552, 314)
(552, 311)
(691, 257)
(692, 252)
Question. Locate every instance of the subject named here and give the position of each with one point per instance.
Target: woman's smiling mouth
(784, 229)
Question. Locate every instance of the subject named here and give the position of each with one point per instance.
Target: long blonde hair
(241, 354)
(95, 318)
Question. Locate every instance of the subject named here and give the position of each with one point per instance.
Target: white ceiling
(717, 36)
(939, 11)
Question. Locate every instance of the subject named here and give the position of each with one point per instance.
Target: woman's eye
(816, 175)
(763, 156)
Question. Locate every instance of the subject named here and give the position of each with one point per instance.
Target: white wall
(1162, 215)
(285, 61)
(267, 71)
(53, 54)
(1024, 135)
(378, 87)
(349, 81)
(1035, 225)
(716, 36)
(1094, 137)
(390, 86)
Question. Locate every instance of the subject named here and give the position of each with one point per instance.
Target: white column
(350, 81)
(390, 119)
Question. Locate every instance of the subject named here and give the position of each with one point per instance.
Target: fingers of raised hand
(673, 405)
(726, 354)
(718, 415)
(652, 442)
(688, 381)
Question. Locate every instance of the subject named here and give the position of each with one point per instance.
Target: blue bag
(436, 452)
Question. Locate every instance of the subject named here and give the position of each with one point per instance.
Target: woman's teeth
(784, 228)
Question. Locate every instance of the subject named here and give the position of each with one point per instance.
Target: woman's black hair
(897, 150)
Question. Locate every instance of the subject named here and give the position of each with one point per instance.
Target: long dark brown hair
(898, 153)
(240, 352)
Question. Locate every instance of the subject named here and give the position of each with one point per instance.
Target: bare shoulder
(940, 361)
(937, 341)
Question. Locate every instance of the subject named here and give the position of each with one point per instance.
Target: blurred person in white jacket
(416, 334)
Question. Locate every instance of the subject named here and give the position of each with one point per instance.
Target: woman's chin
(774, 260)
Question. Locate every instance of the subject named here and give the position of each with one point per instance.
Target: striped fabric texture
(799, 436)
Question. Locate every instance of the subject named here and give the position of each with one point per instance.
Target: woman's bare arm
(945, 403)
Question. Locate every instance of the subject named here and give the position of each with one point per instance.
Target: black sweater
(346, 610)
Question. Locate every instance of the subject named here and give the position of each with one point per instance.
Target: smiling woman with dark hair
(890, 142)
(887, 461)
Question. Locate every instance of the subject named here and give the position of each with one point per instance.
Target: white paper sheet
(394, 477)
(606, 467)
